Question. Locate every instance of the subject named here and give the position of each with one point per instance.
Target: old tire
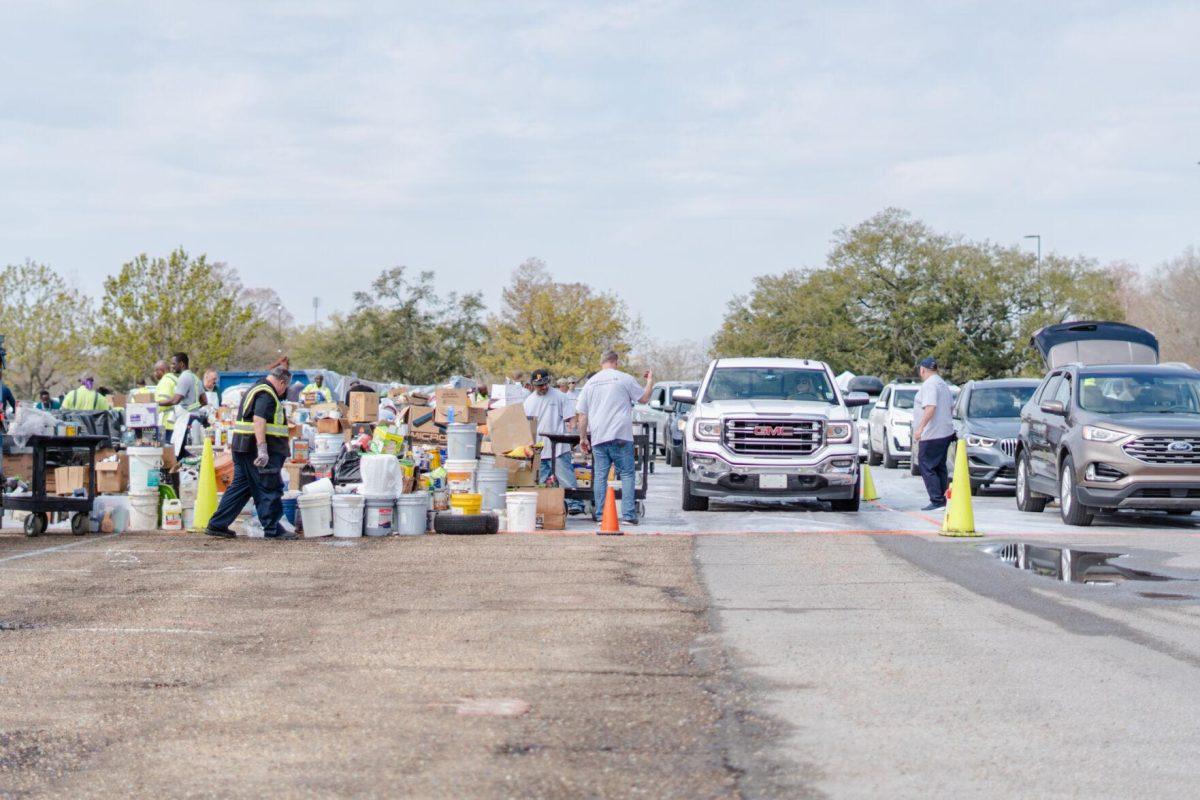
(690, 501)
(466, 524)
(1026, 501)
(1073, 512)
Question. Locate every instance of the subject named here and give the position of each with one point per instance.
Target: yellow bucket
(466, 503)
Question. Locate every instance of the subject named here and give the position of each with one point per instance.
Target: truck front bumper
(832, 476)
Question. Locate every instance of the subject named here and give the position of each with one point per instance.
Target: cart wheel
(640, 508)
(35, 524)
(80, 524)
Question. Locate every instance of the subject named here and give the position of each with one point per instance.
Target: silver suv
(770, 428)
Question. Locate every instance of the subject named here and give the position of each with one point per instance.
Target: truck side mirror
(854, 399)
(684, 396)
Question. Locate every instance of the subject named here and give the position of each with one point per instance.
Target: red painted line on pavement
(937, 523)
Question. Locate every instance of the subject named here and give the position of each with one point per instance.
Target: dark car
(987, 418)
(677, 419)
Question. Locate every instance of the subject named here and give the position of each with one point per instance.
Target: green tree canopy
(563, 327)
(156, 306)
(400, 330)
(894, 290)
(46, 326)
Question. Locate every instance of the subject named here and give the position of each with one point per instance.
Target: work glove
(262, 459)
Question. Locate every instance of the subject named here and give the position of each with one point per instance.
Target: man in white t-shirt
(553, 411)
(933, 428)
(605, 422)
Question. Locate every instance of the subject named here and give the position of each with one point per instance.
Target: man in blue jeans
(605, 421)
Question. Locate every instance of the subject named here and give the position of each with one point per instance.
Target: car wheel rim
(1066, 499)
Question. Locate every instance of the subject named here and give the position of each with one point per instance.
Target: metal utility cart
(39, 504)
(643, 455)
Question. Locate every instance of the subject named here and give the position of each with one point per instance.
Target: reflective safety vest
(244, 426)
(322, 391)
(82, 398)
(162, 395)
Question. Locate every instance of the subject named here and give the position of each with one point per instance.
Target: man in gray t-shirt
(933, 429)
(187, 388)
(605, 421)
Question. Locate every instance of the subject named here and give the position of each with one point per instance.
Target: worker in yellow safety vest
(318, 388)
(84, 397)
(163, 392)
(260, 445)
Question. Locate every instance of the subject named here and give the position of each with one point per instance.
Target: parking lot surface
(742, 652)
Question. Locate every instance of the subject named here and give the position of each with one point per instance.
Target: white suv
(890, 425)
(770, 428)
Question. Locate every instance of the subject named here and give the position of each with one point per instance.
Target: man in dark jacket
(260, 446)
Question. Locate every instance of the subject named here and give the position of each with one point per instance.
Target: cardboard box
(364, 407)
(112, 477)
(508, 428)
(142, 397)
(551, 509)
(117, 400)
(521, 473)
(20, 466)
(324, 409)
(329, 425)
(169, 462)
(418, 399)
(478, 413)
(68, 479)
(141, 415)
(458, 399)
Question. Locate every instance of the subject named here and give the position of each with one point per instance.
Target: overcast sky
(666, 150)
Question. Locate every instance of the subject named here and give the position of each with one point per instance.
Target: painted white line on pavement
(57, 548)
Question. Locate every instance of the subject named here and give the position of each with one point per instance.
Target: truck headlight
(1094, 433)
(707, 429)
(838, 432)
(980, 441)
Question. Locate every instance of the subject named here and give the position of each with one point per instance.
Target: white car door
(876, 421)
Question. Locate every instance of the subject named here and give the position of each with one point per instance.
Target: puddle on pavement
(1078, 566)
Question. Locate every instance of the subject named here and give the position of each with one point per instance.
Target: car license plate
(772, 481)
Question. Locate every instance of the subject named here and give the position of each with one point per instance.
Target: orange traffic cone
(609, 521)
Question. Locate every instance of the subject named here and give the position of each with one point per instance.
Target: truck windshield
(904, 398)
(1140, 394)
(998, 402)
(765, 383)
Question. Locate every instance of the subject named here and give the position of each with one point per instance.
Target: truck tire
(1026, 500)
(466, 524)
(1072, 511)
(888, 461)
(850, 503)
(690, 501)
(873, 458)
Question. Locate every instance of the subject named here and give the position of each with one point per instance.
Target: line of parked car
(1108, 428)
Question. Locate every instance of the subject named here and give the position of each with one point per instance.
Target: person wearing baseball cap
(553, 410)
(933, 431)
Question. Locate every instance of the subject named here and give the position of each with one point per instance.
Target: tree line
(891, 290)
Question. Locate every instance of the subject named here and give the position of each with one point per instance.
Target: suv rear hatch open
(1094, 343)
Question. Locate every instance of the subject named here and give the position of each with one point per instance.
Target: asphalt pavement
(748, 651)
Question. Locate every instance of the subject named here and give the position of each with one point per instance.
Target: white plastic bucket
(189, 517)
(143, 509)
(462, 442)
(412, 514)
(492, 484)
(145, 465)
(326, 447)
(521, 511)
(380, 515)
(316, 513)
(347, 516)
(172, 515)
(460, 476)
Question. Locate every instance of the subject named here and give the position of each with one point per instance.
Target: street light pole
(1037, 236)
(279, 325)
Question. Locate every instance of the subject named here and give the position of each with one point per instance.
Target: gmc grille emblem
(772, 430)
(1180, 447)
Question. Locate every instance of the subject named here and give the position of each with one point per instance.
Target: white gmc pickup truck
(770, 428)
